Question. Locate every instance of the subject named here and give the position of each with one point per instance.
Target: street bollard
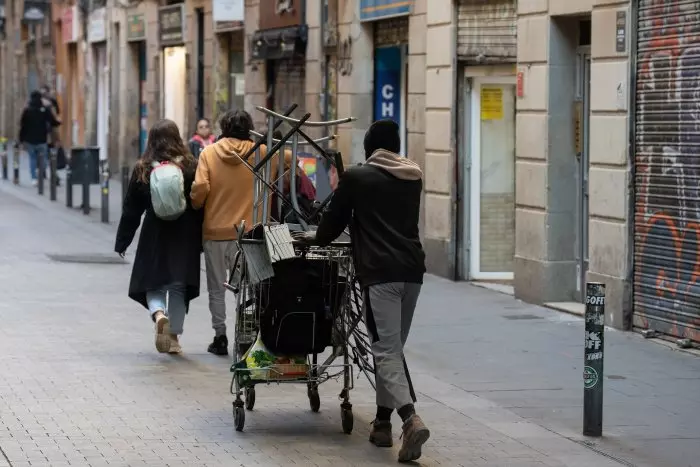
(15, 166)
(105, 192)
(125, 181)
(53, 177)
(5, 162)
(86, 185)
(69, 187)
(593, 359)
(41, 172)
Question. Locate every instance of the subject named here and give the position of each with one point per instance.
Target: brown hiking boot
(380, 435)
(415, 434)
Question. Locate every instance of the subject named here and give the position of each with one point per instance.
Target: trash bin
(84, 170)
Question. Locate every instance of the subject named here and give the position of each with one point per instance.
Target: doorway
(582, 112)
(492, 179)
(200, 63)
(175, 86)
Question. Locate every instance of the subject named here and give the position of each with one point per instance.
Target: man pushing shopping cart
(380, 201)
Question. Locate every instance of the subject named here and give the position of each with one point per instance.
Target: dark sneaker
(219, 346)
(415, 434)
(380, 435)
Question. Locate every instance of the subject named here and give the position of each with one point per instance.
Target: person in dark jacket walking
(202, 137)
(380, 201)
(167, 264)
(35, 125)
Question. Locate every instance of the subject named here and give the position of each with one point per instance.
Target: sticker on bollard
(594, 348)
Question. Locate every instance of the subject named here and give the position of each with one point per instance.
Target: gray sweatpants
(218, 258)
(388, 310)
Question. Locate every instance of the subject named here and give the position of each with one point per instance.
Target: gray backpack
(167, 185)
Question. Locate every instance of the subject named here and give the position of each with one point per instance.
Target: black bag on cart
(300, 304)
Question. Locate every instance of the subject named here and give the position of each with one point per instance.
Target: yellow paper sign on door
(491, 103)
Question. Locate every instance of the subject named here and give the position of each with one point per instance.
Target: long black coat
(168, 252)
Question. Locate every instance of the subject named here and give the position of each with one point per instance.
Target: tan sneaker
(162, 332)
(415, 434)
(380, 435)
(175, 347)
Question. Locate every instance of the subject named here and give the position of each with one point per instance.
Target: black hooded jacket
(36, 121)
(380, 200)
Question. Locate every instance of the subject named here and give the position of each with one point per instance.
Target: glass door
(492, 191)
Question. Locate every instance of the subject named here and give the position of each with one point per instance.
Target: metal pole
(69, 183)
(125, 181)
(41, 163)
(105, 192)
(267, 169)
(593, 359)
(53, 179)
(86, 181)
(256, 190)
(5, 168)
(15, 166)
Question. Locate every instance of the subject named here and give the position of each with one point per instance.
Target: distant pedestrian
(202, 137)
(35, 125)
(54, 141)
(380, 201)
(165, 276)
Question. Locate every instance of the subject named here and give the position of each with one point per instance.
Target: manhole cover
(87, 258)
(514, 317)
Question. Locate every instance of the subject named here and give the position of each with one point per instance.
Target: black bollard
(593, 359)
(41, 172)
(5, 163)
(105, 192)
(15, 166)
(86, 183)
(125, 181)
(53, 176)
(69, 187)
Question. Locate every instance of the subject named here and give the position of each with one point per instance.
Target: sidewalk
(499, 381)
(115, 192)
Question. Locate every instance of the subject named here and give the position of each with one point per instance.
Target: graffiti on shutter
(667, 169)
(487, 31)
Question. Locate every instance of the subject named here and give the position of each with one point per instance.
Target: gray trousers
(218, 258)
(388, 310)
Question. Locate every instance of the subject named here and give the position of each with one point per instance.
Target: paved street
(499, 381)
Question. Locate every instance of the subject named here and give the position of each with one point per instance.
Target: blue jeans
(171, 301)
(36, 151)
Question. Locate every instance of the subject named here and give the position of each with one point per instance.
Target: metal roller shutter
(289, 85)
(393, 31)
(667, 169)
(487, 31)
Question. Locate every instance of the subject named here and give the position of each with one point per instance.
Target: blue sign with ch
(377, 9)
(387, 83)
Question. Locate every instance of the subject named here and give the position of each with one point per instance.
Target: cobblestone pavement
(81, 384)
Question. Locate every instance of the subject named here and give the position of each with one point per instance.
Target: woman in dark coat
(167, 264)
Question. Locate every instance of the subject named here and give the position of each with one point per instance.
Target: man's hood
(231, 150)
(400, 167)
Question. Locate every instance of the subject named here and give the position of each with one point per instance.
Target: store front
(229, 55)
(171, 33)
(281, 43)
(486, 47)
(390, 60)
(97, 38)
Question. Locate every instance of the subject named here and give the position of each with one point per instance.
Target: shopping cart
(294, 304)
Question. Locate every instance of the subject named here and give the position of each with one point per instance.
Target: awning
(273, 44)
(35, 11)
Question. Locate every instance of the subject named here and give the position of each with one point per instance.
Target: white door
(175, 86)
(492, 190)
(102, 101)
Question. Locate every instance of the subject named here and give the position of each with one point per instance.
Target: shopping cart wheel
(347, 420)
(314, 398)
(249, 398)
(238, 418)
